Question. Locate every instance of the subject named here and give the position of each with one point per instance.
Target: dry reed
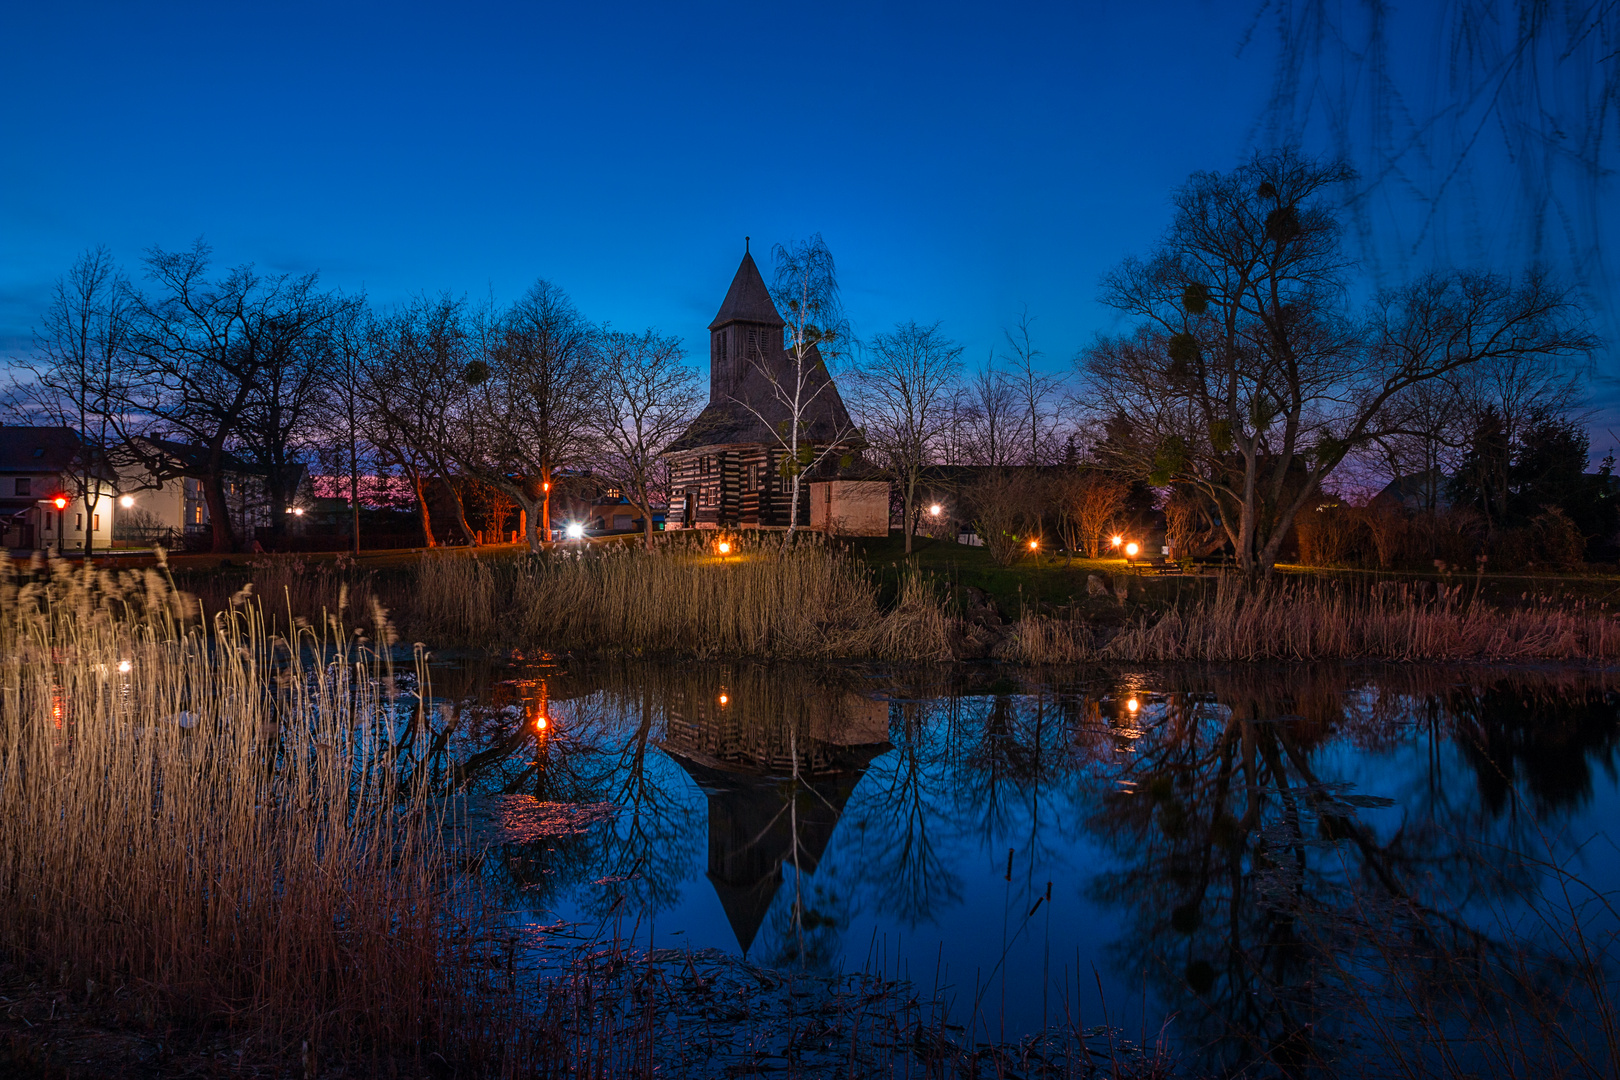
(1326, 622)
(209, 821)
(806, 601)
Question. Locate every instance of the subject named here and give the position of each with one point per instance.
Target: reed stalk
(208, 820)
(1405, 622)
(806, 601)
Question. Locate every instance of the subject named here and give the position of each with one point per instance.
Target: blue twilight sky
(961, 161)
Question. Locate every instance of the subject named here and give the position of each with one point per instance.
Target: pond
(1259, 868)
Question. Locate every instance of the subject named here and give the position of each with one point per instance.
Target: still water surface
(1289, 864)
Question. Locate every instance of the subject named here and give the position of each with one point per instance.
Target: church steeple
(748, 330)
(748, 300)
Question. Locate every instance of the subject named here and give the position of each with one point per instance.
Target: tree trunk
(646, 524)
(422, 507)
(909, 524)
(545, 499)
(460, 520)
(530, 520)
(354, 496)
(219, 513)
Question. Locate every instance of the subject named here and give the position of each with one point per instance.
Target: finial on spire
(745, 245)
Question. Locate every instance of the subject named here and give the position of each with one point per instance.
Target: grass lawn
(1056, 580)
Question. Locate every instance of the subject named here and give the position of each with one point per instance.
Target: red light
(61, 502)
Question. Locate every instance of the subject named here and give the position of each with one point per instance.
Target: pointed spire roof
(748, 300)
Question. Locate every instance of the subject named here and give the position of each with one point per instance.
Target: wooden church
(727, 468)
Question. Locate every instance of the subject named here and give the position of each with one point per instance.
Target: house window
(95, 523)
(78, 523)
(25, 485)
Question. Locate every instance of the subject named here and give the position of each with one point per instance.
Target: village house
(164, 499)
(40, 499)
(727, 468)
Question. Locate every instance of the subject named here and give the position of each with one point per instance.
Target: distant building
(40, 465)
(168, 499)
(1417, 491)
(726, 469)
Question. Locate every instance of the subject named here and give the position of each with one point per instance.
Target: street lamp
(60, 502)
(724, 548)
(127, 501)
(575, 530)
(935, 509)
(1034, 545)
(1131, 549)
(1118, 540)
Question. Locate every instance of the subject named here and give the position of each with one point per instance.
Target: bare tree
(344, 405)
(1035, 392)
(989, 417)
(806, 286)
(77, 378)
(283, 411)
(540, 389)
(1090, 501)
(646, 396)
(417, 387)
(1248, 380)
(901, 396)
(202, 347)
(1006, 511)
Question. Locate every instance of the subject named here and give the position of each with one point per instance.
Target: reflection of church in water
(740, 747)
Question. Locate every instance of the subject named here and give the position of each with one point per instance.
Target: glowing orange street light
(724, 548)
(1118, 540)
(1132, 705)
(935, 509)
(1034, 545)
(724, 700)
(127, 501)
(540, 723)
(1131, 549)
(60, 502)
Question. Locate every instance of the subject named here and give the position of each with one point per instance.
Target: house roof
(748, 300)
(187, 458)
(45, 449)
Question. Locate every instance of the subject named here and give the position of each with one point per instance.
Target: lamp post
(61, 504)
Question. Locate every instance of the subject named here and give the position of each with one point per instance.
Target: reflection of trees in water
(1263, 907)
(1258, 892)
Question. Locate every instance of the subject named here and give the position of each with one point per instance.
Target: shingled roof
(748, 300)
(47, 449)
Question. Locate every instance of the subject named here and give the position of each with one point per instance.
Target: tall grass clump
(1330, 622)
(804, 601)
(208, 820)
